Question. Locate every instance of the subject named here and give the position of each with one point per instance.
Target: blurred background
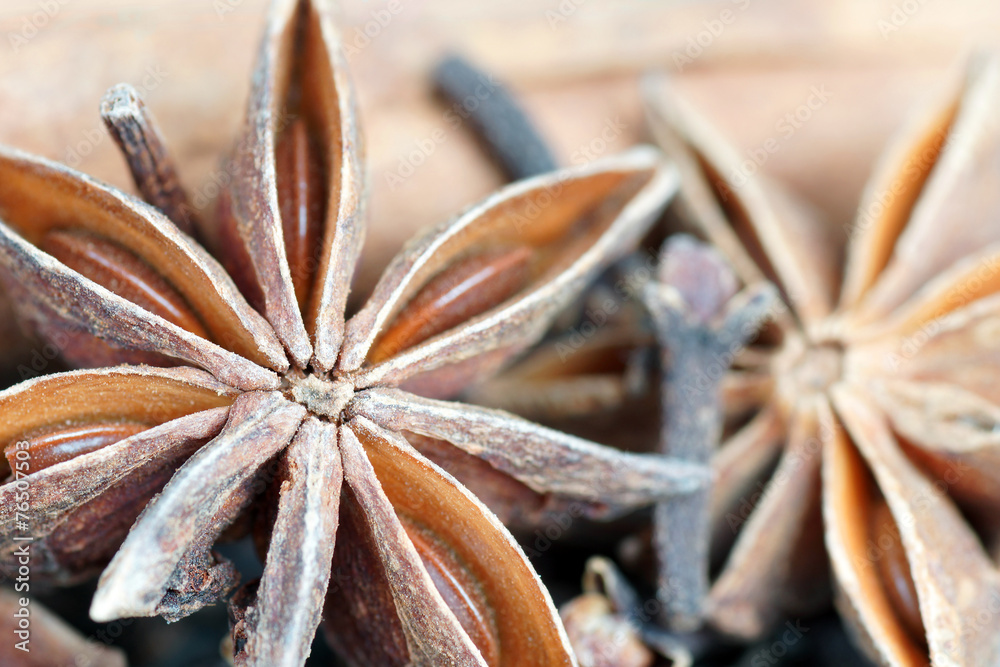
(574, 64)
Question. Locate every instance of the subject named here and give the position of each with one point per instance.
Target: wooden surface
(574, 62)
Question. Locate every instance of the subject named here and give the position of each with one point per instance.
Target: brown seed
(895, 570)
(302, 199)
(117, 269)
(67, 443)
(458, 590)
(465, 289)
(287, 409)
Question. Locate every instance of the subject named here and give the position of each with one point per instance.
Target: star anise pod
(699, 317)
(798, 394)
(303, 412)
(873, 442)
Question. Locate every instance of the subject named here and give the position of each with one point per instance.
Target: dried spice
(609, 626)
(696, 317)
(878, 426)
(285, 404)
(699, 318)
(865, 411)
(503, 128)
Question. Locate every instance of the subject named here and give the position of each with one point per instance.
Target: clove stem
(132, 126)
(698, 316)
(499, 122)
(701, 323)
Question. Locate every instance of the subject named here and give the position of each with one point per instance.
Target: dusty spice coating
(859, 450)
(286, 406)
(134, 130)
(877, 419)
(699, 318)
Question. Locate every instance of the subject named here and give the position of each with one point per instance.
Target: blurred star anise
(874, 430)
(305, 414)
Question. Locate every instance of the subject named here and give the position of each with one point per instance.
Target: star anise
(302, 412)
(867, 411)
(872, 442)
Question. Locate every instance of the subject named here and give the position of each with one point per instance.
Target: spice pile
(646, 409)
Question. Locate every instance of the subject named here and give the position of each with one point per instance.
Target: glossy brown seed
(895, 570)
(465, 289)
(302, 201)
(54, 447)
(458, 589)
(117, 269)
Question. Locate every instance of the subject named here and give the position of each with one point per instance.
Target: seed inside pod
(458, 589)
(302, 201)
(894, 570)
(48, 449)
(465, 289)
(119, 270)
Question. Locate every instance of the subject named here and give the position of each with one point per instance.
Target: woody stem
(132, 127)
(499, 123)
(701, 324)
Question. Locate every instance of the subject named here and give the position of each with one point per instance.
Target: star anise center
(320, 395)
(807, 368)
